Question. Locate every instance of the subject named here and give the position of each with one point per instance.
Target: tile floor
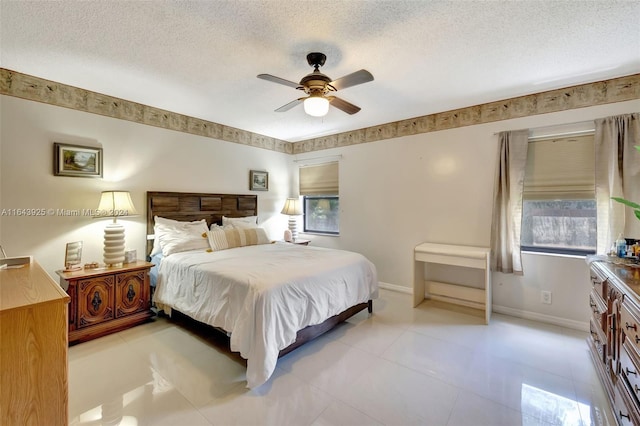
(401, 366)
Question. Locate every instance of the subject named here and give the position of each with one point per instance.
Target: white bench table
(456, 255)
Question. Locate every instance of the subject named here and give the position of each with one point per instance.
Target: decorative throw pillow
(222, 239)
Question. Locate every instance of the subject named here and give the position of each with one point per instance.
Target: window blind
(560, 168)
(319, 180)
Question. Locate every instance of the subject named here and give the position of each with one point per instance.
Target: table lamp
(115, 204)
(292, 208)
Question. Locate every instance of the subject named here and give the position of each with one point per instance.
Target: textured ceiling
(201, 58)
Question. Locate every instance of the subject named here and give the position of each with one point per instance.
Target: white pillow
(241, 222)
(177, 241)
(222, 239)
(216, 226)
(180, 236)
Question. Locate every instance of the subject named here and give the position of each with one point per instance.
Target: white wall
(438, 187)
(394, 194)
(137, 158)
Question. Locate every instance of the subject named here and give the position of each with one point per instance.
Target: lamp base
(113, 244)
(293, 227)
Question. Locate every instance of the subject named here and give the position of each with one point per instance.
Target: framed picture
(74, 160)
(258, 181)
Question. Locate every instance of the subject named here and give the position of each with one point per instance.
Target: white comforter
(264, 294)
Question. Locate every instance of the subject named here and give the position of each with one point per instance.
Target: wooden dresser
(107, 300)
(33, 348)
(614, 342)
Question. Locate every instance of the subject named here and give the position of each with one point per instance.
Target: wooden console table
(455, 255)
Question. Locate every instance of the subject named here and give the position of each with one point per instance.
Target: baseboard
(394, 287)
(548, 319)
(518, 313)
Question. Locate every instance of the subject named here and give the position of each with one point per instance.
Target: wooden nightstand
(300, 242)
(106, 300)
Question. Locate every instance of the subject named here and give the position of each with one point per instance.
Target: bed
(268, 297)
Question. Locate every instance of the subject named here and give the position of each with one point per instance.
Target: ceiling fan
(317, 86)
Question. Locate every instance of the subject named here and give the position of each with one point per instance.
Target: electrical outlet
(545, 297)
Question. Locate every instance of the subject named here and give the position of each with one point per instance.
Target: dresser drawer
(599, 340)
(599, 283)
(625, 407)
(630, 324)
(598, 310)
(629, 367)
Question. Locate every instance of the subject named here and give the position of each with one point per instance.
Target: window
(319, 187)
(559, 207)
(322, 214)
(559, 226)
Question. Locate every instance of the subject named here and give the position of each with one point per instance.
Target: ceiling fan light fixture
(316, 106)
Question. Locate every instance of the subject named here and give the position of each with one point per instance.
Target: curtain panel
(507, 210)
(617, 175)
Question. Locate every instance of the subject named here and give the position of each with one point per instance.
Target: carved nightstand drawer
(95, 301)
(131, 294)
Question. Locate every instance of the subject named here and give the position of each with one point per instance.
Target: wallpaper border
(13, 83)
(580, 96)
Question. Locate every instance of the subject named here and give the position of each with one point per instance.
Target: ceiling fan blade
(290, 105)
(358, 77)
(279, 80)
(343, 105)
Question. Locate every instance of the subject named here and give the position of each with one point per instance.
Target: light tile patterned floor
(401, 366)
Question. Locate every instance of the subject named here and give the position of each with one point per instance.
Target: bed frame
(188, 206)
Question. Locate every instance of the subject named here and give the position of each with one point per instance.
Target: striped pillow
(222, 239)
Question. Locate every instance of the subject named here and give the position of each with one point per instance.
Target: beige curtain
(507, 209)
(617, 175)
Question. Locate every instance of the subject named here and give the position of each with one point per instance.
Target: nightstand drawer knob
(628, 326)
(630, 372)
(97, 301)
(131, 294)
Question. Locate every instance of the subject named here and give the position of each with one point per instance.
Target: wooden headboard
(188, 206)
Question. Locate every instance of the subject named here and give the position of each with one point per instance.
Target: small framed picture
(258, 180)
(75, 160)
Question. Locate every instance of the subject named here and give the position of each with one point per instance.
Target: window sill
(319, 234)
(571, 256)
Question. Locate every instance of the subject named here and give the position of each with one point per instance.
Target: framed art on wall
(258, 180)
(75, 160)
